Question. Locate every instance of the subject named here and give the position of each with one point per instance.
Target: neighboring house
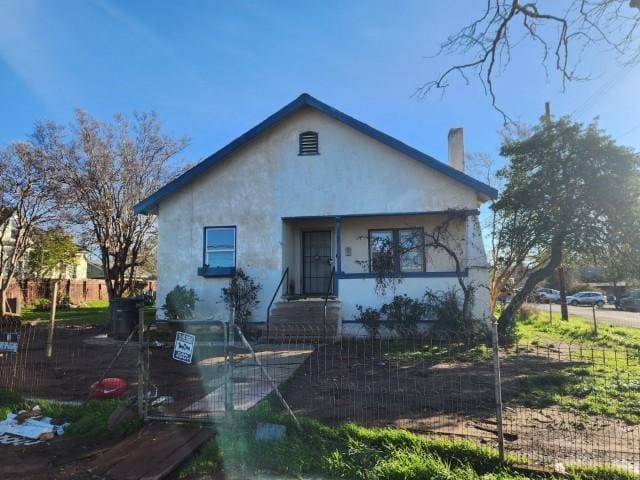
(7, 241)
(308, 188)
(77, 271)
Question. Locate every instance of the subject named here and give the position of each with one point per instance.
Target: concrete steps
(304, 317)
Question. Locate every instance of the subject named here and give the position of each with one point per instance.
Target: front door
(316, 261)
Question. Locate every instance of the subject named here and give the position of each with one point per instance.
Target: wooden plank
(152, 453)
(164, 468)
(117, 453)
(146, 456)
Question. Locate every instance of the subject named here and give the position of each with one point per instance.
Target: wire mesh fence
(563, 404)
(570, 404)
(80, 356)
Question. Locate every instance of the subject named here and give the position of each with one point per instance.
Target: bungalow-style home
(301, 202)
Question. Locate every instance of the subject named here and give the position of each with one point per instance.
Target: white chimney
(456, 149)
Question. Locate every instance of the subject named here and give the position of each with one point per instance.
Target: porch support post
(338, 254)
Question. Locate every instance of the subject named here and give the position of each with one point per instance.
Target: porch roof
(467, 212)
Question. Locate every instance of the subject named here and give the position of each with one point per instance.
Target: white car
(587, 298)
(547, 295)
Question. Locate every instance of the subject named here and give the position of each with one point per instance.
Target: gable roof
(306, 100)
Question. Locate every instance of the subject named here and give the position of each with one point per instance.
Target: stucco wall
(267, 180)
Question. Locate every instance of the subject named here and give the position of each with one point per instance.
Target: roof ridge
(146, 205)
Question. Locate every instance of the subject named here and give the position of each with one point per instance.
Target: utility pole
(561, 278)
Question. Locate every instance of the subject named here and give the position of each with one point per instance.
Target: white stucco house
(307, 191)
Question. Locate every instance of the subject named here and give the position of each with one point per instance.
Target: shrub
(241, 297)
(370, 318)
(446, 308)
(64, 303)
(526, 313)
(42, 305)
(404, 313)
(179, 303)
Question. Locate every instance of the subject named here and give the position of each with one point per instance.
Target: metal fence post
(141, 374)
(498, 388)
(228, 356)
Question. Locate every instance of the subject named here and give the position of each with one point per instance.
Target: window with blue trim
(219, 258)
(397, 250)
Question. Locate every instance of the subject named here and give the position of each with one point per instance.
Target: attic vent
(309, 143)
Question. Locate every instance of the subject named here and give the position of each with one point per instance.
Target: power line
(633, 129)
(601, 92)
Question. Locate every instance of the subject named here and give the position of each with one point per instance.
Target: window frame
(207, 271)
(395, 242)
(317, 139)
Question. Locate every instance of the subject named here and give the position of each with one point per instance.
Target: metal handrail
(326, 299)
(275, 294)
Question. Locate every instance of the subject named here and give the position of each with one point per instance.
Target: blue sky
(212, 70)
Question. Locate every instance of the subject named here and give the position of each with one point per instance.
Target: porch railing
(326, 299)
(285, 275)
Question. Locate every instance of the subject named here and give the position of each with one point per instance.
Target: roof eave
(150, 204)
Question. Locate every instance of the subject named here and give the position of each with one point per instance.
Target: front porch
(331, 256)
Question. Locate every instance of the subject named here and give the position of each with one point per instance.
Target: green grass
(577, 331)
(355, 452)
(601, 376)
(439, 352)
(94, 313)
(89, 419)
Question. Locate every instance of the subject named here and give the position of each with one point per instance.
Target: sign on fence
(183, 347)
(9, 342)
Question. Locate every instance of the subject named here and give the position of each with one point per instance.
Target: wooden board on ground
(151, 454)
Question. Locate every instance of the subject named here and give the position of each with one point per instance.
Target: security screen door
(316, 270)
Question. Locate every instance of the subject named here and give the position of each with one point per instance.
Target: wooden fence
(78, 291)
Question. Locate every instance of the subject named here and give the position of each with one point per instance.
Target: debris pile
(28, 427)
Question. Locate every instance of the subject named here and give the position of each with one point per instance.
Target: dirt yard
(363, 383)
(370, 383)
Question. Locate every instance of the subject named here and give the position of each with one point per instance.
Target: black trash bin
(124, 316)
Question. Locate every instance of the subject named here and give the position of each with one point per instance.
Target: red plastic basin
(113, 387)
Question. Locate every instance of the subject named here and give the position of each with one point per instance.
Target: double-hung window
(219, 251)
(397, 250)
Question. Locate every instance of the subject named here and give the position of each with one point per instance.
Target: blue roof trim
(146, 205)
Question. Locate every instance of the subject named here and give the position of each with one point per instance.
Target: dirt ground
(81, 355)
(58, 459)
(456, 400)
(348, 381)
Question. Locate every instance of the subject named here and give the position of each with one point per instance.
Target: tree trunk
(52, 319)
(563, 294)
(3, 303)
(536, 277)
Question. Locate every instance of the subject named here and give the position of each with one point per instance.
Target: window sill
(208, 272)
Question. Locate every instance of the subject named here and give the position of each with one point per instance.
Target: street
(607, 314)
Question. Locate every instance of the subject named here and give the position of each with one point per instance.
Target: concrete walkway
(250, 385)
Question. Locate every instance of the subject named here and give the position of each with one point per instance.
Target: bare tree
(106, 168)
(562, 32)
(27, 203)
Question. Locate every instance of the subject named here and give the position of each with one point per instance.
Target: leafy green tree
(573, 190)
(52, 252)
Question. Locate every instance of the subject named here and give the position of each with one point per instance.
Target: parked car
(547, 295)
(587, 298)
(630, 302)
